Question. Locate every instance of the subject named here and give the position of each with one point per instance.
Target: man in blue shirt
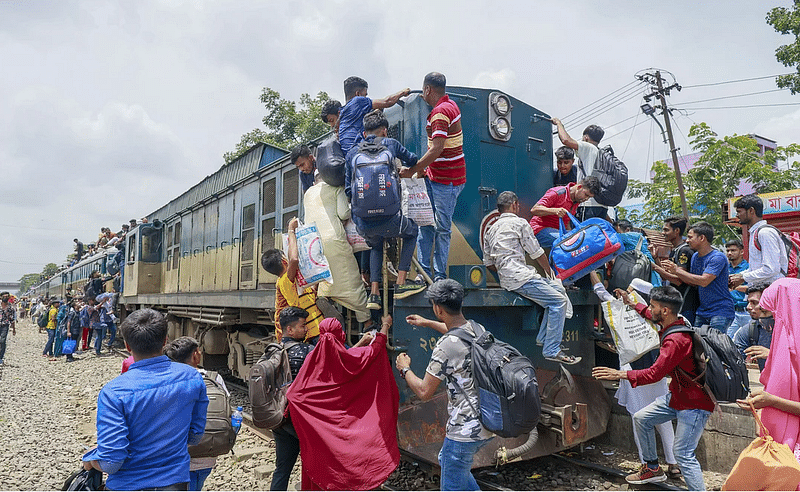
(737, 264)
(147, 416)
(709, 272)
(351, 127)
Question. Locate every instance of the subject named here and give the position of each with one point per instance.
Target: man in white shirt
(768, 259)
(587, 151)
(504, 248)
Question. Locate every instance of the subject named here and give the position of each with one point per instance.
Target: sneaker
(673, 471)
(563, 358)
(646, 475)
(407, 289)
(374, 302)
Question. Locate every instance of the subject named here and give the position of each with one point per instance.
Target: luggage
(791, 243)
(375, 186)
(84, 480)
(633, 335)
(416, 202)
(613, 176)
(508, 393)
(764, 465)
(331, 162)
(68, 347)
(268, 381)
(628, 266)
(722, 368)
(588, 246)
(219, 435)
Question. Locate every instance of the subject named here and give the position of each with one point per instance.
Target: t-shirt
(715, 299)
(307, 300)
(565, 179)
(587, 154)
(351, 122)
(297, 353)
(445, 122)
(556, 197)
(451, 359)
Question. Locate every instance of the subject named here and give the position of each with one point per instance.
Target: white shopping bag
(354, 238)
(314, 267)
(416, 203)
(633, 335)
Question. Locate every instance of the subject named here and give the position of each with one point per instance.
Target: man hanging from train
(445, 172)
(504, 247)
(306, 164)
(357, 105)
(553, 206)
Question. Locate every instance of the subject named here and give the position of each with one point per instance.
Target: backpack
(43, 319)
(723, 371)
(792, 244)
(628, 266)
(613, 176)
(375, 188)
(268, 381)
(94, 287)
(331, 162)
(219, 435)
(508, 393)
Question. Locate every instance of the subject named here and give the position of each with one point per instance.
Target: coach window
(169, 247)
(268, 207)
(291, 197)
(176, 246)
(131, 249)
(152, 240)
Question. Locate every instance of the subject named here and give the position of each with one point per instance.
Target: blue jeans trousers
(437, 238)
(690, 428)
(455, 459)
(197, 478)
(112, 334)
(3, 337)
(551, 295)
(720, 323)
(99, 336)
(547, 237)
(48, 347)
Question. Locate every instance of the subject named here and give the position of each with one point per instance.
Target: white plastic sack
(314, 267)
(416, 203)
(633, 335)
(354, 238)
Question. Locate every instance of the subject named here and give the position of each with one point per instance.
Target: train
(197, 260)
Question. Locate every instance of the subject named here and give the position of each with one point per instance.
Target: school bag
(331, 162)
(791, 242)
(613, 176)
(267, 383)
(219, 435)
(375, 187)
(589, 245)
(628, 266)
(43, 319)
(94, 287)
(723, 371)
(508, 392)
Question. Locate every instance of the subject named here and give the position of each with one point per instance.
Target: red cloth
(556, 197)
(343, 405)
(126, 364)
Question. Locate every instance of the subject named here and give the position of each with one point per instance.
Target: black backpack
(723, 371)
(44, 318)
(219, 435)
(508, 393)
(267, 383)
(94, 288)
(613, 176)
(331, 162)
(628, 266)
(84, 480)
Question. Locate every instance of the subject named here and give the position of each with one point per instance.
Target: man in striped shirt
(445, 173)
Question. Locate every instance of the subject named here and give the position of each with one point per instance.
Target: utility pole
(660, 91)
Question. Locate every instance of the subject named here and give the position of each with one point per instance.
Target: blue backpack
(589, 245)
(374, 187)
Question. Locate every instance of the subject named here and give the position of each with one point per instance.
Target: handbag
(588, 246)
(764, 465)
(84, 480)
(68, 347)
(633, 335)
(416, 203)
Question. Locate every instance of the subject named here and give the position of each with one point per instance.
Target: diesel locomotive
(197, 259)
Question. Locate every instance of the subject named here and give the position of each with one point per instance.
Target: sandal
(673, 471)
(563, 358)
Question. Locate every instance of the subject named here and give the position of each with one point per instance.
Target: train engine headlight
(500, 116)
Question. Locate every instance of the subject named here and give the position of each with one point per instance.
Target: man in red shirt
(445, 172)
(555, 204)
(686, 401)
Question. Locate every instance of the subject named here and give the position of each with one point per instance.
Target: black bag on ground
(508, 393)
(268, 381)
(331, 162)
(613, 176)
(722, 368)
(628, 266)
(84, 480)
(219, 435)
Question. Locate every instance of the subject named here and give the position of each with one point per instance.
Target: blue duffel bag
(588, 246)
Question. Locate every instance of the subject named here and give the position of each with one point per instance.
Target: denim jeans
(455, 459)
(741, 319)
(99, 336)
(197, 478)
(551, 295)
(3, 337)
(443, 199)
(547, 237)
(287, 448)
(48, 347)
(112, 334)
(742, 341)
(397, 226)
(720, 323)
(691, 424)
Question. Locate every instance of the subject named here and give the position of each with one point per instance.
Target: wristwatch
(403, 372)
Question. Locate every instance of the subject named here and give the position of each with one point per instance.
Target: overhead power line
(735, 81)
(733, 96)
(606, 107)
(744, 106)
(604, 97)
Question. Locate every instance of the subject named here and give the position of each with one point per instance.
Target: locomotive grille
(396, 131)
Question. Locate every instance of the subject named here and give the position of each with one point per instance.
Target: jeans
(455, 459)
(742, 319)
(551, 295)
(287, 448)
(443, 199)
(719, 323)
(48, 347)
(691, 424)
(397, 226)
(742, 341)
(112, 334)
(99, 336)
(197, 478)
(3, 337)
(547, 237)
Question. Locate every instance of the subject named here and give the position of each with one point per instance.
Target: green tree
(33, 279)
(726, 162)
(787, 21)
(287, 123)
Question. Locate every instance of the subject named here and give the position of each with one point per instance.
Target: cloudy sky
(110, 109)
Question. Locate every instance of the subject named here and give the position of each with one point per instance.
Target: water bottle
(236, 419)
